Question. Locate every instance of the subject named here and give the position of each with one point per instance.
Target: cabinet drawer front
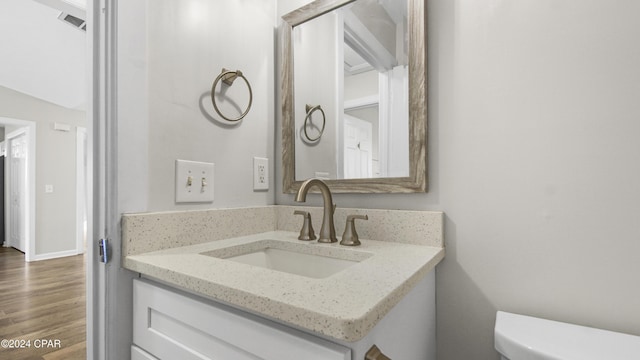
(174, 326)
(139, 354)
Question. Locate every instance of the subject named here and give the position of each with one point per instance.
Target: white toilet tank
(519, 337)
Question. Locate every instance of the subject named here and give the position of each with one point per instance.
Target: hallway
(42, 305)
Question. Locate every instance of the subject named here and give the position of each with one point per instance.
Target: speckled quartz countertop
(345, 305)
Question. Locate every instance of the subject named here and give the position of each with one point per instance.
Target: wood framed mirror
(376, 140)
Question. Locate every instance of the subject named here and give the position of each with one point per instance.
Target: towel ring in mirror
(310, 110)
(228, 77)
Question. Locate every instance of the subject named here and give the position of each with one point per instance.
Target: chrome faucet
(328, 230)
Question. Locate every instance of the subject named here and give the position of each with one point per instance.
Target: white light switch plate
(194, 181)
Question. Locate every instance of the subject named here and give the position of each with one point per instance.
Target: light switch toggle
(194, 181)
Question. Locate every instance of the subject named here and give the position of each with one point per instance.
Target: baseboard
(55, 255)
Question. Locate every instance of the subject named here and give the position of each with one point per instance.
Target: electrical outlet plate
(260, 173)
(194, 181)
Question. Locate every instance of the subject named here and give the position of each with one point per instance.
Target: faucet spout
(328, 230)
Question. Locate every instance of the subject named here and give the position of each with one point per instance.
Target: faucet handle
(306, 233)
(350, 236)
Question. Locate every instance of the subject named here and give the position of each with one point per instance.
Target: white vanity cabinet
(171, 324)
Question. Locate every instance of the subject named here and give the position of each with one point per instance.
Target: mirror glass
(353, 95)
(353, 63)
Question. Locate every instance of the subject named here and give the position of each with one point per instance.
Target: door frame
(82, 193)
(29, 128)
(347, 120)
(102, 179)
(17, 176)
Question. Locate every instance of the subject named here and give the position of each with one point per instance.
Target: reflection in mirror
(354, 62)
(363, 62)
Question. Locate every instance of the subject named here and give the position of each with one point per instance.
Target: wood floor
(40, 303)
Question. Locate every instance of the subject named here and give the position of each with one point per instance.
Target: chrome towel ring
(310, 110)
(228, 77)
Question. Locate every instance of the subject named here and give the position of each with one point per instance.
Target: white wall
(165, 107)
(55, 165)
(533, 157)
(208, 36)
(44, 57)
(169, 54)
(316, 77)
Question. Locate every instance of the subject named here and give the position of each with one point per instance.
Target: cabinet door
(139, 354)
(169, 325)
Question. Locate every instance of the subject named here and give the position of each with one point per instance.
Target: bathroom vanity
(173, 324)
(201, 299)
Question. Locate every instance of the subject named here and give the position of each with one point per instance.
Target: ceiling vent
(76, 22)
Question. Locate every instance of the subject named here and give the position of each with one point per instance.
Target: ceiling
(40, 55)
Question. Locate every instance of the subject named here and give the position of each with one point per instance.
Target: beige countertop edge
(348, 325)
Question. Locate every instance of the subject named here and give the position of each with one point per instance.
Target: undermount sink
(314, 261)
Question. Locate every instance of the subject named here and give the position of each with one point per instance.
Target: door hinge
(104, 250)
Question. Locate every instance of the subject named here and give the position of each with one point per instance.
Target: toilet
(519, 337)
